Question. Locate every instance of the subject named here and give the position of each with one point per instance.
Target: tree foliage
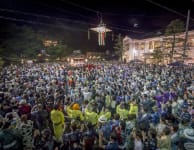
(157, 56)
(118, 46)
(21, 42)
(175, 26)
(58, 51)
(1, 57)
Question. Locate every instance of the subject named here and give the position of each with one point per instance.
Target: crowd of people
(112, 106)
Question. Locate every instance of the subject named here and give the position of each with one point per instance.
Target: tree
(1, 57)
(175, 26)
(20, 42)
(58, 51)
(118, 47)
(157, 55)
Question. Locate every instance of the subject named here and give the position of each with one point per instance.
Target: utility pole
(186, 35)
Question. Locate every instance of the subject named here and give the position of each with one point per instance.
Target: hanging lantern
(101, 29)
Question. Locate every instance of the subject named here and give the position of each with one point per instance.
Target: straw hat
(102, 119)
(23, 101)
(76, 106)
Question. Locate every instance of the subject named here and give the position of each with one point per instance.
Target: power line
(82, 7)
(40, 23)
(66, 11)
(169, 9)
(97, 13)
(43, 16)
(69, 20)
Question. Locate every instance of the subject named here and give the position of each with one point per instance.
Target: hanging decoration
(101, 29)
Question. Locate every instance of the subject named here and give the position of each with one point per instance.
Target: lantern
(101, 29)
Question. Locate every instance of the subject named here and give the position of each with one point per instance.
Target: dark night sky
(135, 18)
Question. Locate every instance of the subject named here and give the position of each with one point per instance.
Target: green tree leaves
(119, 46)
(175, 26)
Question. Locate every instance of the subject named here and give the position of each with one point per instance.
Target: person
(24, 108)
(133, 108)
(112, 143)
(174, 136)
(164, 141)
(89, 137)
(57, 118)
(26, 128)
(104, 127)
(74, 112)
(106, 112)
(150, 140)
(160, 127)
(44, 140)
(71, 139)
(138, 144)
(90, 115)
(186, 136)
(40, 116)
(122, 111)
(10, 138)
(189, 138)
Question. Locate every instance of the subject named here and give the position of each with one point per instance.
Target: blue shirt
(112, 146)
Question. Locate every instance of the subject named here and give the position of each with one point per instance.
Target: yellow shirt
(74, 113)
(91, 116)
(122, 112)
(133, 109)
(57, 117)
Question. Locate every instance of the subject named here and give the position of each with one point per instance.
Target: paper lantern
(101, 29)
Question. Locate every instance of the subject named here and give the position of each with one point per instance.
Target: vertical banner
(103, 38)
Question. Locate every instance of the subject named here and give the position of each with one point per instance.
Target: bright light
(134, 51)
(22, 61)
(86, 60)
(101, 29)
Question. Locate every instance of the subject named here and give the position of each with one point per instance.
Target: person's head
(24, 118)
(116, 116)
(122, 105)
(152, 133)
(55, 107)
(23, 102)
(184, 107)
(166, 131)
(162, 119)
(122, 124)
(6, 124)
(174, 127)
(74, 125)
(186, 118)
(113, 136)
(138, 135)
(46, 133)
